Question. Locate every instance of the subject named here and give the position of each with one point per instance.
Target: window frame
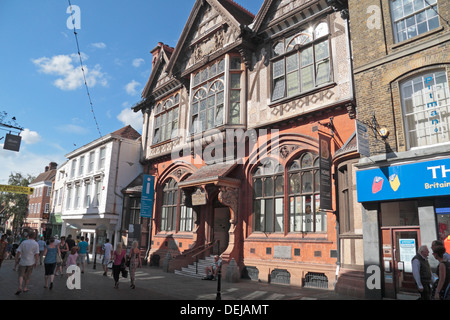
(204, 79)
(427, 105)
(427, 5)
(288, 217)
(261, 222)
(163, 109)
(289, 50)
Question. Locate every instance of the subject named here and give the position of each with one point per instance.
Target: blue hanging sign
(147, 196)
(415, 180)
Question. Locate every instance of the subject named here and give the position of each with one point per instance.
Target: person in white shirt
(28, 253)
(107, 250)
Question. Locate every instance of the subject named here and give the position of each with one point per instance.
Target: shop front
(404, 206)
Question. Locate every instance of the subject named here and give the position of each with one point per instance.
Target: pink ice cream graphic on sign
(377, 184)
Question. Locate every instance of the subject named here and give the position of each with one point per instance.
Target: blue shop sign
(147, 196)
(416, 180)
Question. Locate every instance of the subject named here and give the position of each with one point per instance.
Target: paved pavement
(151, 284)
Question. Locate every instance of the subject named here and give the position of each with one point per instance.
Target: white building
(88, 186)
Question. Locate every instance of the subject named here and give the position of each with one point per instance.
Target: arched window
(166, 119)
(268, 197)
(169, 206)
(304, 197)
(425, 102)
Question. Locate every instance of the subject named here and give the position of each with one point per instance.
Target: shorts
(49, 268)
(105, 260)
(81, 258)
(25, 271)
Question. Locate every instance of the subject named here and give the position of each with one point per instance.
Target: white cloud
(99, 45)
(129, 117)
(30, 137)
(70, 76)
(25, 162)
(138, 62)
(131, 87)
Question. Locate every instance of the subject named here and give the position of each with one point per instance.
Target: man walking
(82, 252)
(422, 272)
(28, 253)
(107, 254)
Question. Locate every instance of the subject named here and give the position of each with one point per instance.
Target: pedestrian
(42, 245)
(72, 258)
(28, 254)
(213, 269)
(107, 250)
(70, 242)
(63, 249)
(135, 262)
(87, 254)
(118, 256)
(3, 248)
(83, 247)
(439, 243)
(443, 271)
(51, 253)
(422, 272)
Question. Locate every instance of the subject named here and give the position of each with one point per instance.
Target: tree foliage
(16, 204)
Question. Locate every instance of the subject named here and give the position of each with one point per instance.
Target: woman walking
(63, 248)
(119, 254)
(51, 251)
(135, 262)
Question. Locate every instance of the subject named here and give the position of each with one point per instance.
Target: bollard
(219, 276)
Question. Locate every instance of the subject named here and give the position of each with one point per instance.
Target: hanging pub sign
(325, 172)
(12, 142)
(147, 196)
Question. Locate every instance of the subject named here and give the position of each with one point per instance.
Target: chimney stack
(155, 52)
(53, 165)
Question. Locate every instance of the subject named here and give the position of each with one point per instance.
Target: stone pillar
(372, 257)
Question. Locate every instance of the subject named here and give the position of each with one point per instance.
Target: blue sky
(41, 83)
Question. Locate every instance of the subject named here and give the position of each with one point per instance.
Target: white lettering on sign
(443, 171)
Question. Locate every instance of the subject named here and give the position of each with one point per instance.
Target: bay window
(301, 62)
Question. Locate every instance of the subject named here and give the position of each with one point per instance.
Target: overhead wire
(82, 69)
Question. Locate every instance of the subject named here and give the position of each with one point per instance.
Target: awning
(55, 219)
(212, 174)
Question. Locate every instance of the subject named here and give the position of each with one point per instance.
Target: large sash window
(426, 108)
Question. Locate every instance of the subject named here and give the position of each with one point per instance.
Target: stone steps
(196, 271)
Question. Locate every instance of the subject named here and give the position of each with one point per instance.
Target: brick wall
(380, 64)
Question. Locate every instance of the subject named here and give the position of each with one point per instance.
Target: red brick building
(39, 202)
(249, 132)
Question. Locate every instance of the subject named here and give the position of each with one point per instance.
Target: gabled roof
(162, 59)
(127, 132)
(45, 176)
(233, 13)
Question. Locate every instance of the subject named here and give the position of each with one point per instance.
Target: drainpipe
(115, 187)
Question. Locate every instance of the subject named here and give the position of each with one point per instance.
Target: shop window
(426, 106)
(413, 17)
(399, 213)
(443, 218)
(302, 62)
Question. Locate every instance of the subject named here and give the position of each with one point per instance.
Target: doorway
(221, 226)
